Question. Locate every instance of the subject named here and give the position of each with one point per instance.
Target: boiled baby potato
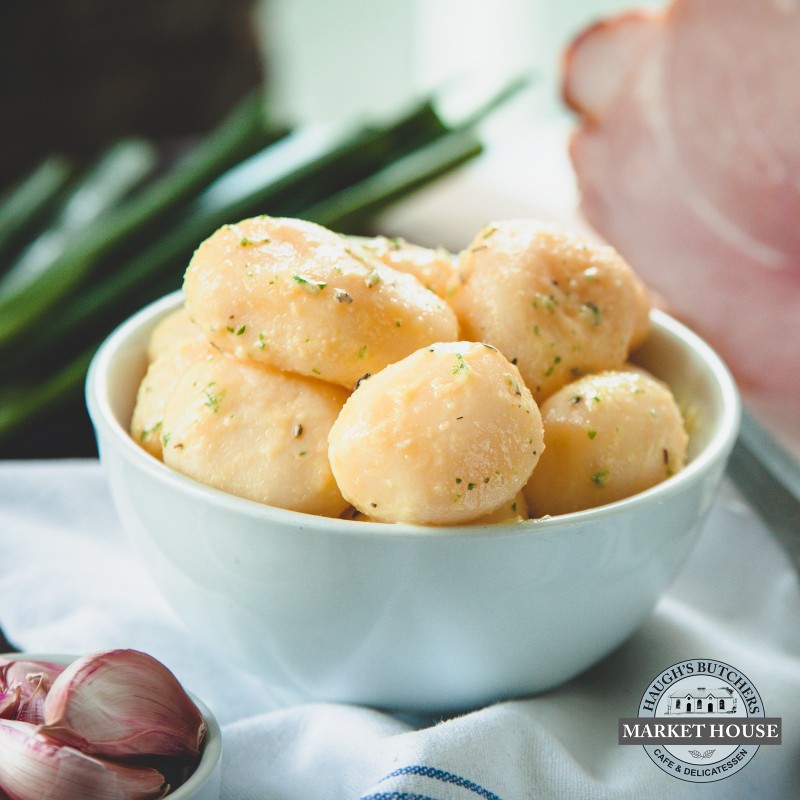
(444, 436)
(436, 269)
(255, 432)
(297, 297)
(608, 436)
(175, 328)
(553, 303)
(514, 510)
(159, 382)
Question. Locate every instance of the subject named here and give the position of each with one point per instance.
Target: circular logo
(701, 720)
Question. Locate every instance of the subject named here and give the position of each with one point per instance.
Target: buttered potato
(436, 269)
(608, 436)
(255, 432)
(553, 303)
(159, 382)
(444, 436)
(176, 328)
(514, 510)
(297, 297)
(375, 379)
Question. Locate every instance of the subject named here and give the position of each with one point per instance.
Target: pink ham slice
(688, 162)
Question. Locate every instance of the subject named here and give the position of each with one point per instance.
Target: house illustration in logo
(702, 701)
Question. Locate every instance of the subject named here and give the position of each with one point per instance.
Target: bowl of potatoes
(388, 475)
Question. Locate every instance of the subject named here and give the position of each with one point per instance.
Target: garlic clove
(33, 767)
(9, 703)
(19, 670)
(30, 681)
(123, 703)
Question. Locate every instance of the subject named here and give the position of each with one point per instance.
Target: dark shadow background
(75, 75)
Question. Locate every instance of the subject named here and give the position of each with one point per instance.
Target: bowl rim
(211, 754)
(718, 447)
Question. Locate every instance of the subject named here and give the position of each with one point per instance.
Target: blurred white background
(329, 60)
(337, 61)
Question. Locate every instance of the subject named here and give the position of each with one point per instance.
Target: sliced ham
(687, 155)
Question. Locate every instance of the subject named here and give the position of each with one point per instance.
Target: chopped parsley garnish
(147, 431)
(549, 371)
(342, 296)
(372, 278)
(460, 365)
(547, 301)
(308, 284)
(352, 253)
(514, 384)
(595, 311)
(599, 478)
(213, 399)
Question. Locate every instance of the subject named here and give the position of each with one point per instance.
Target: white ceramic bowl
(204, 782)
(407, 617)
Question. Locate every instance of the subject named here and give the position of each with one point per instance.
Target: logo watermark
(701, 720)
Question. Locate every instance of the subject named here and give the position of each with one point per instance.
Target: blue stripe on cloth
(396, 796)
(445, 777)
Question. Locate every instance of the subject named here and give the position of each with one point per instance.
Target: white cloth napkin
(70, 583)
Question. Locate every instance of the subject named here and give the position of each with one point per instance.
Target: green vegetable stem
(115, 174)
(246, 131)
(30, 201)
